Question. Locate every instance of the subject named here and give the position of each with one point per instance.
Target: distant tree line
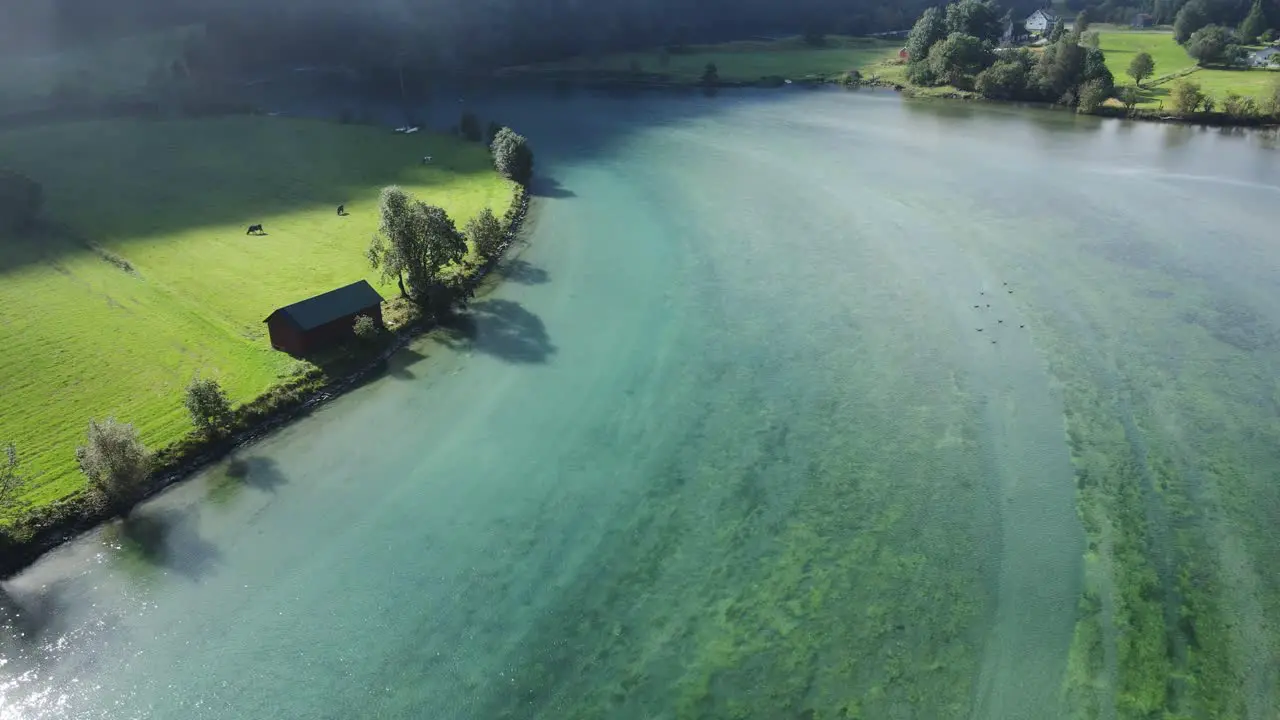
(957, 45)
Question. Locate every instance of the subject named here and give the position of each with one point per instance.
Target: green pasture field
(743, 61)
(83, 337)
(1173, 63)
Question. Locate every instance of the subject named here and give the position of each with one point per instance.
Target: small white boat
(402, 129)
(411, 131)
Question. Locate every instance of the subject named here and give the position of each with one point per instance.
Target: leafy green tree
(1082, 21)
(978, 18)
(1059, 69)
(512, 156)
(1190, 18)
(21, 199)
(1094, 67)
(1186, 97)
(1091, 39)
(959, 57)
(485, 232)
(1130, 96)
(1214, 45)
(115, 462)
(469, 126)
(1059, 29)
(1091, 95)
(415, 242)
(1254, 24)
(710, 75)
(1002, 81)
(930, 29)
(1141, 67)
(208, 405)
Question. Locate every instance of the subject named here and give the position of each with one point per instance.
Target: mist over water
(728, 442)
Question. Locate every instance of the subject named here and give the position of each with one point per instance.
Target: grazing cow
(255, 230)
(342, 210)
(426, 159)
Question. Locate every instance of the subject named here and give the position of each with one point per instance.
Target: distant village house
(323, 321)
(1040, 21)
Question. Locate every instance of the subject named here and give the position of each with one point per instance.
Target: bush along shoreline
(45, 528)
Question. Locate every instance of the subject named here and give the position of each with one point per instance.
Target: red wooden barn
(324, 320)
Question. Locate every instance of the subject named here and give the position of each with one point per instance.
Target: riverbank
(41, 527)
(869, 62)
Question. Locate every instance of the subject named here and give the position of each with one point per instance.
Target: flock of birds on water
(987, 306)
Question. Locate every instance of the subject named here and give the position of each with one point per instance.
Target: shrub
(1186, 97)
(853, 77)
(1002, 81)
(1130, 96)
(208, 405)
(485, 232)
(512, 156)
(1090, 39)
(1092, 95)
(469, 127)
(115, 462)
(21, 199)
(710, 74)
(1238, 106)
(366, 329)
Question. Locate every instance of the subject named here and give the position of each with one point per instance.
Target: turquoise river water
(791, 405)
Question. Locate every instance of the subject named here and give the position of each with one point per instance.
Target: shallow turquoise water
(726, 443)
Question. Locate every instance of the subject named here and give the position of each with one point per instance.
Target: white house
(1040, 21)
(1263, 57)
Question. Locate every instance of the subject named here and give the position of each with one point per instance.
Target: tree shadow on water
(229, 478)
(26, 617)
(548, 187)
(400, 365)
(151, 539)
(521, 271)
(501, 328)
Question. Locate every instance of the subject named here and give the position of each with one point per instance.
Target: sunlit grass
(81, 337)
(1173, 63)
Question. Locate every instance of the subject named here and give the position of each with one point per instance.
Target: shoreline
(51, 526)
(610, 82)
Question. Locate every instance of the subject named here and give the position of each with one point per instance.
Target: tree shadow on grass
(501, 328)
(522, 272)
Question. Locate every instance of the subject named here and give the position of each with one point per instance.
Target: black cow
(255, 230)
(342, 210)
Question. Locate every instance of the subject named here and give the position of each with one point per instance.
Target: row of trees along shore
(416, 244)
(957, 45)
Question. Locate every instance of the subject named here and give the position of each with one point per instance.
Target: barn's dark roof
(316, 311)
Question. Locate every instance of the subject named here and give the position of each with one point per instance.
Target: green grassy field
(1172, 63)
(746, 61)
(80, 337)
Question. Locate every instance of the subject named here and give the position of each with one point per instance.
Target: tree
(415, 242)
(1271, 104)
(512, 156)
(1130, 96)
(710, 75)
(1091, 39)
(485, 232)
(469, 126)
(1186, 97)
(1191, 18)
(1141, 67)
(1004, 80)
(977, 18)
(1214, 45)
(1254, 24)
(1238, 106)
(959, 56)
(1092, 94)
(21, 199)
(1082, 21)
(1059, 29)
(928, 30)
(1060, 68)
(115, 462)
(208, 405)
